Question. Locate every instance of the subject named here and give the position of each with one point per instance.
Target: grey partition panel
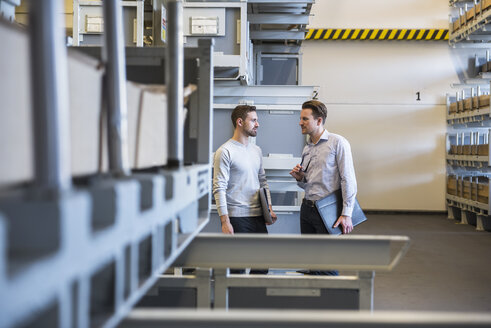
(279, 71)
(288, 222)
(228, 44)
(279, 133)
(222, 127)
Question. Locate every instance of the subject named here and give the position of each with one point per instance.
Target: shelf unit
(469, 118)
(468, 186)
(83, 254)
(473, 110)
(472, 23)
(468, 159)
(88, 22)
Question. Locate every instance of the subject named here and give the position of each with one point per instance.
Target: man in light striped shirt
(326, 166)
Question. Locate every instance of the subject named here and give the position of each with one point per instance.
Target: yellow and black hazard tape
(377, 34)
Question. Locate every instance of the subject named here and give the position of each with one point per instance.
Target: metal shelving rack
(472, 148)
(278, 21)
(83, 27)
(468, 156)
(277, 30)
(469, 159)
(83, 254)
(473, 24)
(468, 117)
(476, 112)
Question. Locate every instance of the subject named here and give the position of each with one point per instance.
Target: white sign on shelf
(94, 24)
(204, 25)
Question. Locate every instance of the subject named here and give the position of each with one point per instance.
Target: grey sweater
(237, 176)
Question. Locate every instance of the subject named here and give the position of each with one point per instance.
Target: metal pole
(48, 60)
(116, 88)
(174, 79)
(205, 90)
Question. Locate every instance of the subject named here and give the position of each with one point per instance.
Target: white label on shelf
(94, 24)
(204, 25)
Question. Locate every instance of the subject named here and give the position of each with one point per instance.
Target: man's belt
(307, 202)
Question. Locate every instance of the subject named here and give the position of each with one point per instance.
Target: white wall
(370, 87)
(380, 13)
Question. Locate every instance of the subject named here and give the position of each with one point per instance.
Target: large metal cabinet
(257, 61)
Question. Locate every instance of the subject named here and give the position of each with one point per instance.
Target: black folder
(265, 205)
(330, 208)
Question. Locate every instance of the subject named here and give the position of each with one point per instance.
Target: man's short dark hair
(241, 111)
(318, 109)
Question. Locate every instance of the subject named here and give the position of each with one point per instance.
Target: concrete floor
(447, 268)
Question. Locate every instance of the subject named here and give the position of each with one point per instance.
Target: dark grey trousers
(249, 224)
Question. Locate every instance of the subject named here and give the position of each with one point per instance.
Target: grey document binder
(265, 205)
(330, 208)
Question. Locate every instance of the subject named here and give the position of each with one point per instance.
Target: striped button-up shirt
(328, 166)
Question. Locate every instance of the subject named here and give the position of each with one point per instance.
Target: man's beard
(251, 132)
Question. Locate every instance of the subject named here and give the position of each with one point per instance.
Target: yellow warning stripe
(411, 34)
(364, 34)
(392, 34)
(355, 34)
(309, 33)
(336, 34)
(328, 34)
(402, 34)
(373, 34)
(430, 34)
(318, 34)
(377, 34)
(439, 34)
(384, 33)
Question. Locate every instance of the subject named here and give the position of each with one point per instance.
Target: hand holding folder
(330, 209)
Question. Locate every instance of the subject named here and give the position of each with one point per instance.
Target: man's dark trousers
(311, 223)
(249, 224)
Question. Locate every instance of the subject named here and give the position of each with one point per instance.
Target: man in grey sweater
(238, 176)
